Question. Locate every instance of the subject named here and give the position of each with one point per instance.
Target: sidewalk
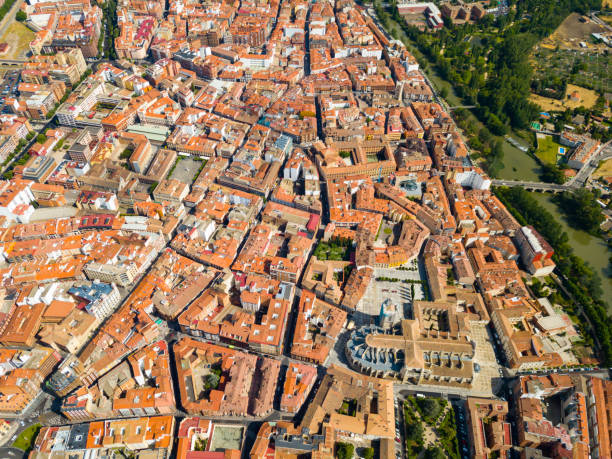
(5, 440)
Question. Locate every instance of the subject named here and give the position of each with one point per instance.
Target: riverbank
(592, 249)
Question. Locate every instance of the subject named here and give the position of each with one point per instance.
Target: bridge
(10, 64)
(461, 106)
(534, 186)
(13, 61)
(578, 181)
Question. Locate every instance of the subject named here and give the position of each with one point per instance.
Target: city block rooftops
(327, 319)
(134, 433)
(240, 374)
(371, 419)
(299, 379)
(214, 314)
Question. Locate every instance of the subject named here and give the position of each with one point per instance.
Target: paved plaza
(226, 437)
(488, 379)
(400, 293)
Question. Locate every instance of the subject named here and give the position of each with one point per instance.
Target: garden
(548, 149)
(25, 440)
(430, 428)
(337, 249)
(348, 407)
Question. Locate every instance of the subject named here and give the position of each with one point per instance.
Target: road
(583, 174)
(275, 415)
(11, 453)
(578, 181)
(26, 148)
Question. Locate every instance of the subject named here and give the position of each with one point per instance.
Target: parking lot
(399, 429)
(8, 85)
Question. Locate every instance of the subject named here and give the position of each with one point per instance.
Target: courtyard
(226, 437)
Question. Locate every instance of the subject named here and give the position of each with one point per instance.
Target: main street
(172, 334)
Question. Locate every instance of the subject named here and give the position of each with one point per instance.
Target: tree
(484, 135)
(344, 450)
(21, 16)
(580, 279)
(582, 208)
(552, 173)
(200, 444)
(368, 453)
(430, 408)
(212, 380)
(41, 138)
(434, 452)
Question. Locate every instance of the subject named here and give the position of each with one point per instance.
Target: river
(591, 249)
(518, 165)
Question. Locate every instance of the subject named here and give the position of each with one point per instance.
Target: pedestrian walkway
(430, 434)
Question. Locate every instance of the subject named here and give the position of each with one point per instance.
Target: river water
(518, 165)
(591, 249)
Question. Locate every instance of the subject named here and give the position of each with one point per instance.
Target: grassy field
(604, 169)
(548, 149)
(587, 98)
(18, 36)
(26, 438)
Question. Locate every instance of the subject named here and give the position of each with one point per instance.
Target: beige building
(71, 334)
(171, 190)
(352, 404)
(434, 348)
(122, 275)
(324, 278)
(489, 432)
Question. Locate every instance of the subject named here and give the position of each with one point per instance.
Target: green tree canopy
(344, 450)
(434, 452)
